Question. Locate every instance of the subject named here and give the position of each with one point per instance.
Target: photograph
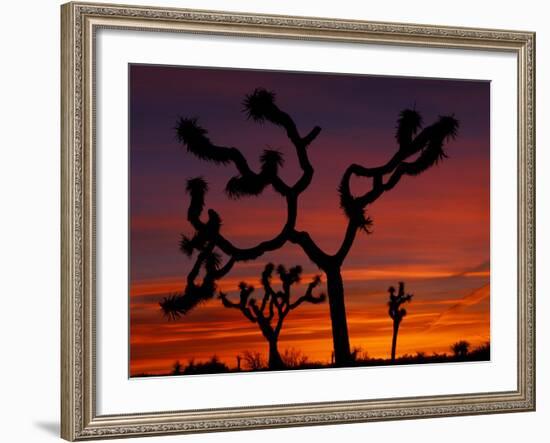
(284, 220)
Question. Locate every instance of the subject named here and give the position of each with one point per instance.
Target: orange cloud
(471, 299)
(175, 283)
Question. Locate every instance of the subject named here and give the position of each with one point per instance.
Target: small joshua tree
(418, 149)
(396, 312)
(270, 312)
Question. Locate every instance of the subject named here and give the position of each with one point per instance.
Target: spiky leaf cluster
(252, 184)
(176, 305)
(179, 304)
(194, 136)
(246, 185)
(271, 160)
(260, 106)
(353, 209)
(433, 149)
(408, 124)
(291, 276)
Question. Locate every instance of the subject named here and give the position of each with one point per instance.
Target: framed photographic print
(280, 221)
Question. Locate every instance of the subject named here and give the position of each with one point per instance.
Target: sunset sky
(431, 231)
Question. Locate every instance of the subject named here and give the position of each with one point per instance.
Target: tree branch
(429, 143)
(347, 243)
(308, 296)
(181, 303)
(244, 301)
(260, 106)
(314, 253)
(266, 283)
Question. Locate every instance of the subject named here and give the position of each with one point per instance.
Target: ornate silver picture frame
(80, 24)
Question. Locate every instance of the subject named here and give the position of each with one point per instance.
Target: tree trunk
(340, 337)
(275, 360)
(394, 341)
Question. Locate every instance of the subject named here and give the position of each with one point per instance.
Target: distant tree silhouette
(460, 348)
(270, 312)
(418, 149)
(396, 312)
(177, 369)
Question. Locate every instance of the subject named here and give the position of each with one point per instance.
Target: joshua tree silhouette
(396, 312)
(417, 151)
(270, 313)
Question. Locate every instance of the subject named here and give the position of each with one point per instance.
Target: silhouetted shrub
(212, 366)
(294, 358)
(177, 368)
(460, 349)
(253, 360)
